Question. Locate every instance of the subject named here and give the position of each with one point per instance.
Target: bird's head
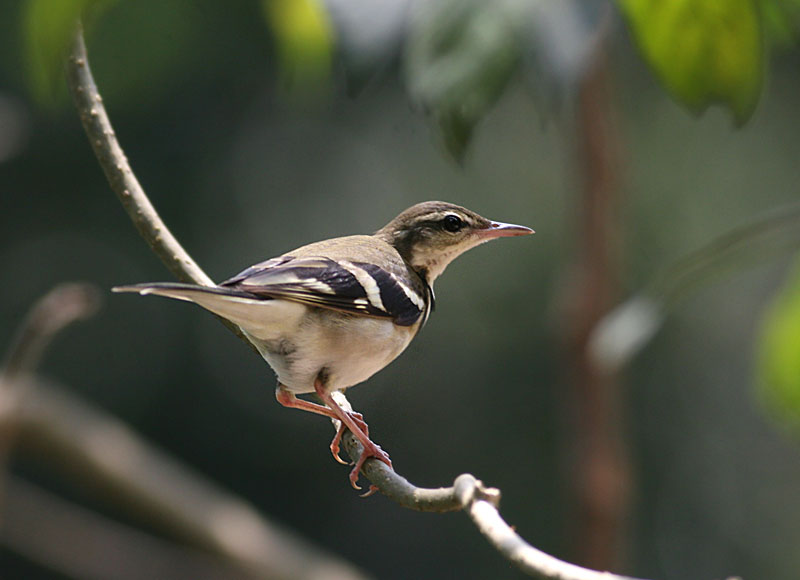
(432, 234)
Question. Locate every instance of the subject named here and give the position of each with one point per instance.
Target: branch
(107, 457)
(63, 305)
(118, 172)
(467, 493)
(67, 538)
(121, 178)
(481, 504)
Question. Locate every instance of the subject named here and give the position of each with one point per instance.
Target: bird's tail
(181, 291)
(235, 305)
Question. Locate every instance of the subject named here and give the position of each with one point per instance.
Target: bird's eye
(452, 223)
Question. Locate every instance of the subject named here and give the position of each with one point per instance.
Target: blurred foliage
(170, 39)
(48, 30)
(781, 20)
(460, 58)
(304, 40)
(779, 354)
(704, 51)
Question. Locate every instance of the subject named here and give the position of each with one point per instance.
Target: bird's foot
(370, 450)
(355, 423)
(358, 419)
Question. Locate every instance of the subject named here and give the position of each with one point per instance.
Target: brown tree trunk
(599, 470)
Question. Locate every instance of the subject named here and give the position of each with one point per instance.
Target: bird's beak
(501, 230)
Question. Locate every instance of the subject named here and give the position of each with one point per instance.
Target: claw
(358, 419)
(349, 420)
(371, 450)
(372, 489)
(335, 444)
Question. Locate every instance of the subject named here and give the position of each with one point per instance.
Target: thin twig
(118, 171)
(622, 333)
(468, 493)
(63, 305)
(481, 504)
(121, 178)
(769, 234)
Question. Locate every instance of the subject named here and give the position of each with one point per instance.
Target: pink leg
(288, 399)
(352, 423)
(337, 440)
(348, 420)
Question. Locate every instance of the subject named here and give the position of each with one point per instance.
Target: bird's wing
(344, 285)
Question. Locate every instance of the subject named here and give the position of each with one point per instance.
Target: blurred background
(256, 127)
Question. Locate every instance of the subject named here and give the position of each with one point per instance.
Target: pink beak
(501, 230)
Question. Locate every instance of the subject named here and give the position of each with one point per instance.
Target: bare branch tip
(469, 489)
(63, 305)
(69, 302)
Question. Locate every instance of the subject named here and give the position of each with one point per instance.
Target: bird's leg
(347, 420)
(352, 422)
(288, 399)
(337, 439)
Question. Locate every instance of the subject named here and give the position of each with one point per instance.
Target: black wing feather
(325, 283)
(394, 298)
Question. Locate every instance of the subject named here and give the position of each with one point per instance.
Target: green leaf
(781, 20)
(48, 28)
(704, 51)
(305, 43)
(461, 56)
(779, 354)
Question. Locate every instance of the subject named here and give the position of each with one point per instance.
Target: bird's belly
(346, 351)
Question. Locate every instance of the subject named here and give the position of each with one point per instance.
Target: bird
(330, 314)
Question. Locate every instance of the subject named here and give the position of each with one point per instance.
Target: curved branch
(121, 178)
(481, 503)
(467, 493)
(119, 173)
